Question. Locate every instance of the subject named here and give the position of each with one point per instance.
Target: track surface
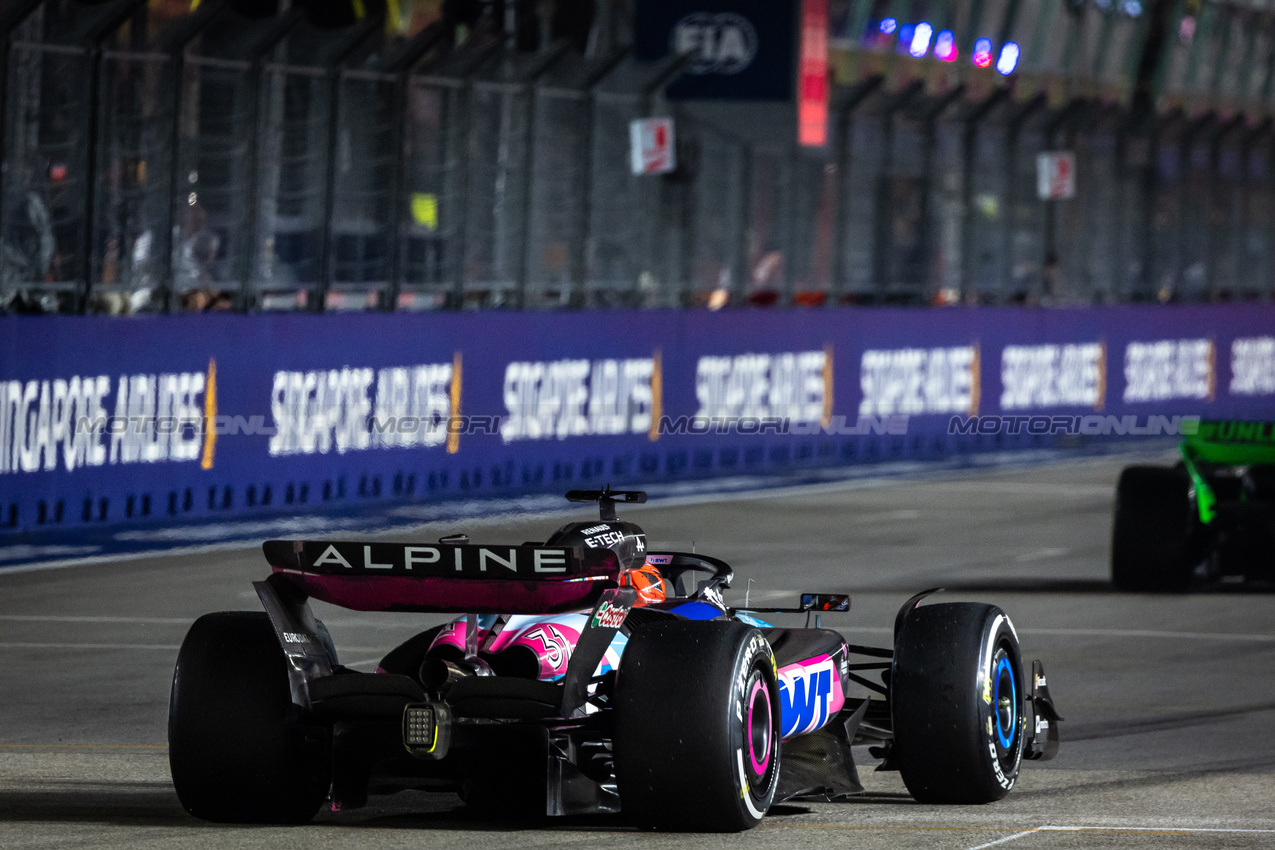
(1168, 701)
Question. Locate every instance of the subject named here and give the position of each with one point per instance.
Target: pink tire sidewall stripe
(759, 768)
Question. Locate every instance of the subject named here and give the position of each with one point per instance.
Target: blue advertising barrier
(170, 420)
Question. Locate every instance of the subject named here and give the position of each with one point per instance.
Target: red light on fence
(812, 90)
(982, 53)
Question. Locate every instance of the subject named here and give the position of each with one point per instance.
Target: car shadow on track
(463, 819)
(391, 816)
(875, 798)
(122, 804)
(155, 804)
(146, 804)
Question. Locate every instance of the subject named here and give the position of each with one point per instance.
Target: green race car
(1211, 515)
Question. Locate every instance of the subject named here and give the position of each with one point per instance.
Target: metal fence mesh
(434, 148)
(215, 177)
(866, 144)
(721, 187)
(292, 188)
(364, 186)
(134, 196)
(555, 226)
(1026, 215)
(46, 174)
(497, 193)
(617, 253)
(1255, 235)
(494, 179)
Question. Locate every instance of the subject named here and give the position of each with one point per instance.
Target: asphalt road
(1169, 701)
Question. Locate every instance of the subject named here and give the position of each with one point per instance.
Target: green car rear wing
(1226, 442)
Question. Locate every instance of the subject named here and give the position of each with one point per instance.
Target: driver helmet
(647, 581)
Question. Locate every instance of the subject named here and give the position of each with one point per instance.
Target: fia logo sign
(718, 44)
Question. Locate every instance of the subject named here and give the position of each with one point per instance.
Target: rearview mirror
(825, 602)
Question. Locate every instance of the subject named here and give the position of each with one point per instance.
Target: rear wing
(443, 577)
(1234, 442)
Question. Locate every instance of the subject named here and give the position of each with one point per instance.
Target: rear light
(427, 729)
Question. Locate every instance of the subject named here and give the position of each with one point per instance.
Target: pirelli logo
(439, 560)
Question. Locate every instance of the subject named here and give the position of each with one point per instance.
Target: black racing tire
(1150, 535)
(236, 751)
(697, 726)
(958, 737)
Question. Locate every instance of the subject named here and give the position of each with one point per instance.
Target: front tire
(957, 695)
(236, 751)
(697, 727)
(1150, 536)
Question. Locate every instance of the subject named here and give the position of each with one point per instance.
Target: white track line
(906, 515)
(1040, 555)
(1157, 829)
(361, 662)
(1014, 837)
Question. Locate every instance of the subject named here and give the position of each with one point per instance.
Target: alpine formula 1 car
(553, 693)
(1209, 516)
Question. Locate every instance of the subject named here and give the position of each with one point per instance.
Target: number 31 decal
(554, 648)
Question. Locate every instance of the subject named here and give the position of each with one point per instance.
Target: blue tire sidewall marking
(1004, 665)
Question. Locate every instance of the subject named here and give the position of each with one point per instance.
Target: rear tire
(236, 752)
(956, 690)
(697, 726)
(1150, 543)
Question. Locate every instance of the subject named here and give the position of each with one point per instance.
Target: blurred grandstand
(333, 155)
